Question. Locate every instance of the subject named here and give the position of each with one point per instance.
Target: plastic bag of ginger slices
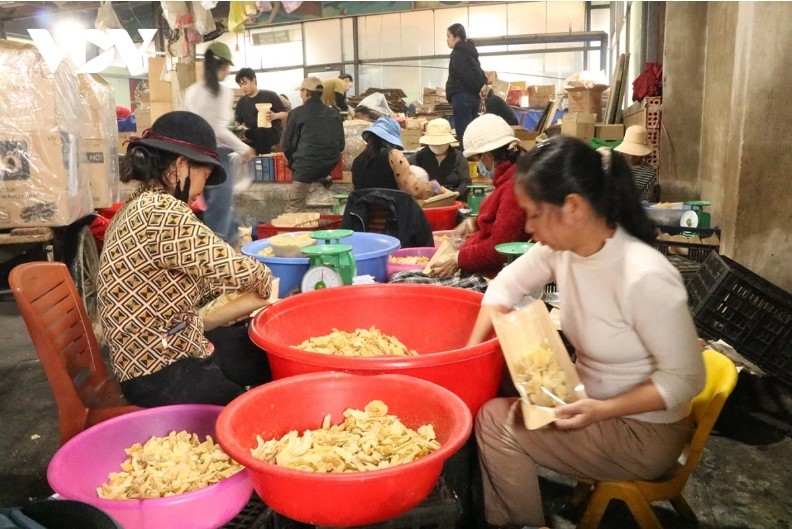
(538, 363)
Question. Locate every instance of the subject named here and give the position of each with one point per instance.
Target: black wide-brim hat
(188, 134)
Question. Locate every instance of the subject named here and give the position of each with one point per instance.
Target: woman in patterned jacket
(160, 264)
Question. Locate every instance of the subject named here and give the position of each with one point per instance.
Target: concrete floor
(744, 480)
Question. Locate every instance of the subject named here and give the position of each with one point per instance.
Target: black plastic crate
(255, 515)
(730, 302)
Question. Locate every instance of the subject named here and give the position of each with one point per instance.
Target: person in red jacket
(492, 140)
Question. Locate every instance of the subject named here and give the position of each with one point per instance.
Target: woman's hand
(445, 268)
(579, 414)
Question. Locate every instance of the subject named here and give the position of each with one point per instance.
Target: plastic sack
(538, 363)
(290, 7)
(376, 102)
(239, 14)
(106, 17)
(177, 14)
(203, 21)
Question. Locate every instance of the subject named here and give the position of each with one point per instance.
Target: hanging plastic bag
(538, 363)
(106, 17)
(177, 14)
(203, 21)
(239, 14)
(290, 7)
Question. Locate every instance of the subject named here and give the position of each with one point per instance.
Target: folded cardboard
(579, 125)
(540, 95)
(40, 180)
(609, 132)
(589, 100)
(527, 137)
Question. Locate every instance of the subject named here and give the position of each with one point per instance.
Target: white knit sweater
(217, 110)
(625, 311)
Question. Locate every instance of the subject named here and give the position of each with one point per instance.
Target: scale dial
(320, 277)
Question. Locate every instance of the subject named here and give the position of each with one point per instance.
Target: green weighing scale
(513, 250)
(330, 264)
(340, 199)
(476, 194)
(703, 216)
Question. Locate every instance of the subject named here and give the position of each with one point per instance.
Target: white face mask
(438, 149)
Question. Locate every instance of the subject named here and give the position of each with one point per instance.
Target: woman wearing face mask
(441, 160)
(160, 264)
(490, 139)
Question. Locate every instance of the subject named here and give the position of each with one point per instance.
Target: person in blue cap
(383, 165)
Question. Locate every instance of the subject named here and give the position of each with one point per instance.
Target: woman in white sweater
(624, 309)
(214, 102)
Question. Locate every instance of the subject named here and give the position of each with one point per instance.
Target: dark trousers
(465, 107)
(217, 379)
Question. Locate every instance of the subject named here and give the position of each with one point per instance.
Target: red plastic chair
(66, 346)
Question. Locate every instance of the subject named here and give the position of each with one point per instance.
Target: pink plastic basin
(444, 217)
(351, 498)
(81, 465)
(435, 321)
(409, 252)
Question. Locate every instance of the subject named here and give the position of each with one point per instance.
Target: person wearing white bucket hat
(489, 138)
(635, 149)
(383, 164)
(440, 159)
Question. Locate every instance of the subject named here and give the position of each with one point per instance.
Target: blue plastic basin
(371, 251)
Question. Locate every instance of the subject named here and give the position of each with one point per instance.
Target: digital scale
(476, 194)
(330, 264)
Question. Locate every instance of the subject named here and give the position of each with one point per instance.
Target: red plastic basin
(444, 217)
(433, 320)
(350, 498)
(84, 462)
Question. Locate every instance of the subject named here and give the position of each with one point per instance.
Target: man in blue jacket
(313, 142)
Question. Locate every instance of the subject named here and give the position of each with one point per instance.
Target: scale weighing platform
(330, 264)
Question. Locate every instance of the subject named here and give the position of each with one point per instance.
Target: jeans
(465, 107)
(219, 214)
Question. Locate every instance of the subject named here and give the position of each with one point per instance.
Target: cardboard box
(410, 139)
(33, 99)
(579, 125)
(158, 108)
(609, 132)
(540, 95)
(98, 107)
(99, 161)
(527, 137)
(40, 182)
(501, 88)
(588, 100)
(122, 138)
(160, 90)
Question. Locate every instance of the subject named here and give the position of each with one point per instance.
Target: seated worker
(160, 264)
(383, 165)
(635, 149)
(495, 104)
(371, 107)
(440, 159)
(261, 138)
(490, 139)
(595, 241)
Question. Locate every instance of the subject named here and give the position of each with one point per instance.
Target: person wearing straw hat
(500, 218)
(160, 264)
(440, 159)
(383, 165)
(635, 149)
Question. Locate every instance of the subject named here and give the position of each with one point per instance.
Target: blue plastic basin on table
(371, 251)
